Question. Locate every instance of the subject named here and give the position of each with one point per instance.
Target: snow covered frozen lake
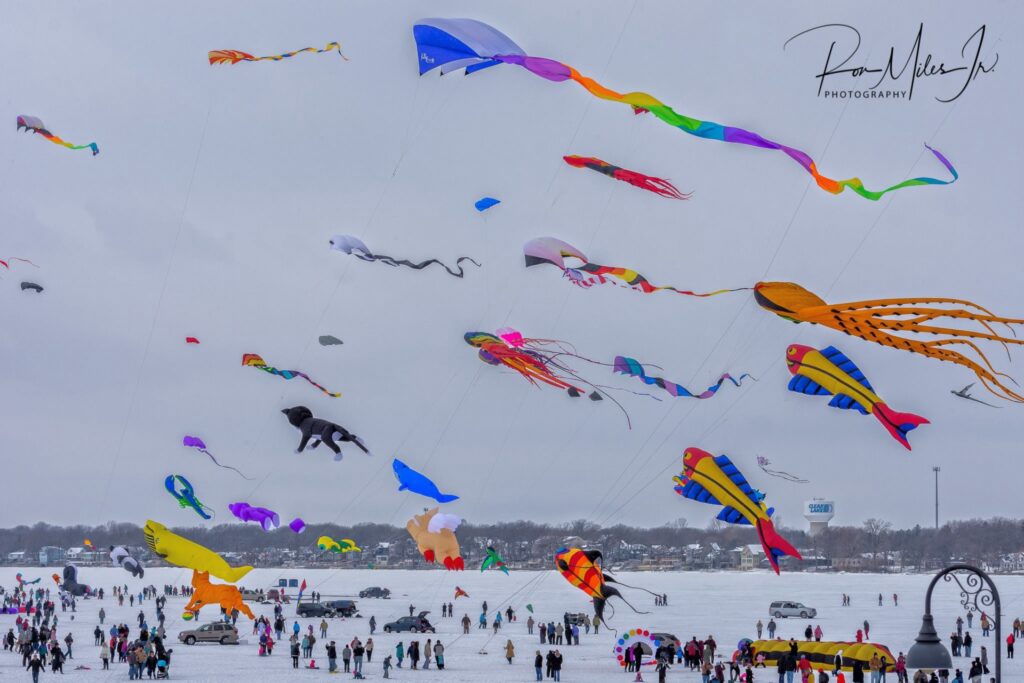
(726, 605)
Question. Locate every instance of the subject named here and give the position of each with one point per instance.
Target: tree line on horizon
(876, 542)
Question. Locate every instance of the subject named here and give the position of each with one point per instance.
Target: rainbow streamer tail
(633, 367)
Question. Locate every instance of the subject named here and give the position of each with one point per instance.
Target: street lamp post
(976, 590)
(936, 470)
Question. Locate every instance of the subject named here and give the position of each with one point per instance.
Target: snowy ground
(726, 605)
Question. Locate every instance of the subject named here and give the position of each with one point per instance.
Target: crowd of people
(37, 637)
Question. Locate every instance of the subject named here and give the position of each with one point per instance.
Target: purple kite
(268, 519)
(197, 443)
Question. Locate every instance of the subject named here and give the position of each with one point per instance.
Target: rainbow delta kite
(452, 44)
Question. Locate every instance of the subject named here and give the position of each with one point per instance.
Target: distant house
(17, 557)
(50, 554)
(1013, 562)
(76, 553)
(748, 556)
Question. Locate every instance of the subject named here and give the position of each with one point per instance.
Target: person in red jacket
(1010, 640)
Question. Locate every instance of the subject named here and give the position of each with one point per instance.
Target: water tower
(818, 512)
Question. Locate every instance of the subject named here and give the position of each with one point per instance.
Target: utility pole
(936, 470)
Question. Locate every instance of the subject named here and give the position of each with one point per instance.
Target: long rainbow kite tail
(35, 125)
(632, 367)
(236, 56)
(256, 361)
(557, 72)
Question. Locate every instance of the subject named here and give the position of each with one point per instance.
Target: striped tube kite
(823, 653)
(255, 361)
(554, 252)
(883, 320)
(452, 44)
(236, 56)
(631, 366)
(658, 186)
(36, 125)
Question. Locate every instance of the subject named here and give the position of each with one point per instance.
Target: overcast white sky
(208, 212)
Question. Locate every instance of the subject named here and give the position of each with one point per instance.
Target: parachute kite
(582, 568)
(411, 480)
(181, 552)
(329, 340)
(191, 340)
(197, 443)
(764, 463)
(485, 203)
(632, 367)
(268, 519)
(830, 373)
(120, 556)
(253, 360)
(180, 487)
(236, 56)
(459, 593)
(33, 286)
(881, 320)
(451, 44)
(297, 525)
(493, 561)
(658, 186)
(437, 544)
(36, 125)
(353, 246)
(553, 252)
(345, 545)
(707, 479)
(321, 431)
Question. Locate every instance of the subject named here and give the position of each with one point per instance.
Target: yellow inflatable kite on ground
(824, 653)
(182, 552)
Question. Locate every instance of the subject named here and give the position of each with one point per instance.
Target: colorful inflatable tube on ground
(824, 653)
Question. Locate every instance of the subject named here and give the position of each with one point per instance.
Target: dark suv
(375, 592)
(414, 624)
(342, 608)
(314, 609)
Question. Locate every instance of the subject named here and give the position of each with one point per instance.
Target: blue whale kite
(411, 480)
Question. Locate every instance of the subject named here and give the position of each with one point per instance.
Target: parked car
(784, 608)
(575, 618)
(375, 592)
(251, 595)
(274, 595)
(314, 609)
(417, 624)
(342, 608)
(216, 632)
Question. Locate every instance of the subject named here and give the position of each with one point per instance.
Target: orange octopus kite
(876, 320)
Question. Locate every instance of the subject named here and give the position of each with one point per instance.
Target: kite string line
(156, 311)
(330, 299)
(602, 500)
